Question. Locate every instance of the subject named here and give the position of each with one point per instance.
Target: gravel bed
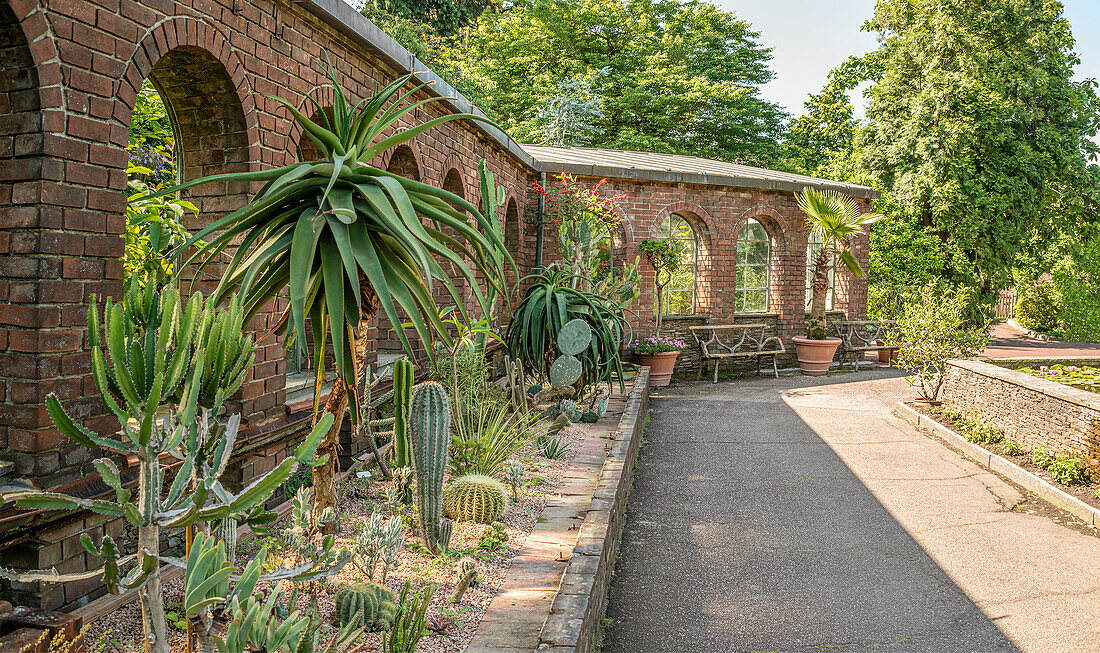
(120, 631)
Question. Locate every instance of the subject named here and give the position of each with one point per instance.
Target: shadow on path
(746, 532)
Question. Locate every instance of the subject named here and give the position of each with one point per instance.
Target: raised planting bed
(1034, 411)
(1083, 377)
(504, 569)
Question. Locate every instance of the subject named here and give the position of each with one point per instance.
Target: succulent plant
(570, 410)
(402, 388)
(475, 498)
(514, 473)
(402, 482)
(565, 371)
(430, 436)
(467, 576)
(574, 337)
(372, 603)
(493, 537)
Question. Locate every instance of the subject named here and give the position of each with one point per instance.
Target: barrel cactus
(373, 603)
(430, 436)
(475, 498)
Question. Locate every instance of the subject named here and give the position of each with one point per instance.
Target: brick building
(69, 78)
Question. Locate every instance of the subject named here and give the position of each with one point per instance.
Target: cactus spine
(467, 576)
(402, 389)
(430, 435)
(374, 603)
(475, 498)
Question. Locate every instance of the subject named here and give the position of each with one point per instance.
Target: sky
(811, 37)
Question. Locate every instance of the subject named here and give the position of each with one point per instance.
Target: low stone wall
(579, 604)
(1032, 411)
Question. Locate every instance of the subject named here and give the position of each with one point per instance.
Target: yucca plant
(347, 239)
(834, 219)
(487, 434)
(549, 304)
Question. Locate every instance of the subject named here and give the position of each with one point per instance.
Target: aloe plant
(348, 239)
(161, 356)
(550, 303)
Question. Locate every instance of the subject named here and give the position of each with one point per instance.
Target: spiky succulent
(346, 237)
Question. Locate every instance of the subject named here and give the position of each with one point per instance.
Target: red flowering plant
(585, 220)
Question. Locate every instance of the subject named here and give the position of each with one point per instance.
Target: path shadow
(746, 532)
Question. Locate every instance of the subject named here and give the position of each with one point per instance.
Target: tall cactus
(159, 352)
(402, 389)
(430, 436)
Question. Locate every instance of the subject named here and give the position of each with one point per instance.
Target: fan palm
(347, 239)
(834, 219)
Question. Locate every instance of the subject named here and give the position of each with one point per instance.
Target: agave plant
(348, 238)
(834, 218)
(549, 304)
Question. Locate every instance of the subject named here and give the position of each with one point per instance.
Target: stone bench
(743, 341)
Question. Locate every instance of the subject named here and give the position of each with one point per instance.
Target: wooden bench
(859, 336)
(719, 341)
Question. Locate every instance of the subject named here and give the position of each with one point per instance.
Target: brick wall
(69, 78)
(1032, 411)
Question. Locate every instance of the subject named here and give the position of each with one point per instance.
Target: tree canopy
(649, 75)
(976, 127)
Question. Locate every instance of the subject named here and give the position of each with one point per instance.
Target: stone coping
(579, 605)
(1013, 472)
(994, 369)
(556, 588)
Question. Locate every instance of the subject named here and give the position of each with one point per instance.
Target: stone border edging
(991, 368)
(578, 606)
(1039, 486)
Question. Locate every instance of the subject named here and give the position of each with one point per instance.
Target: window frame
(811, 241)
(740, 293)
(667, 234)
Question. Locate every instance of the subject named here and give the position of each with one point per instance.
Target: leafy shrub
(1069, 470)
(1042, 457)
(1077, 281)
(933, 330)
(1038, 307)
(1013, 448)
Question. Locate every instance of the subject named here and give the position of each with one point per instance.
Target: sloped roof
(680, 168)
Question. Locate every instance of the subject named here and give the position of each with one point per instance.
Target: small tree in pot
(834, 219)
(657, 353)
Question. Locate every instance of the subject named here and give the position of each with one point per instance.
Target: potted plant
(659, 355)
(834, 219)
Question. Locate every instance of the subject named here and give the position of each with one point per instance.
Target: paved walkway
(1008, 342)
(800, 515)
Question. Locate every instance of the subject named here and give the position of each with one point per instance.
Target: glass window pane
(756, 300)
(678, 302)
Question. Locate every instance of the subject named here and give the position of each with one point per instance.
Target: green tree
(670, 76)
(824, 132)
(445, 17)
(975, 126)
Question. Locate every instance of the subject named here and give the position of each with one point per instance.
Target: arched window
(679, 293)
(813, 246)
(754, 252)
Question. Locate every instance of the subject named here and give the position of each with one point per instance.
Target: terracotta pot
(660, 367)
(887, 355)
(815, 356)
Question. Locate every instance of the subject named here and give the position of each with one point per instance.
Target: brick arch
(781, 276)
(20, 106)
(454, 163)
(774, 221)
(204, 87)
(454, 182)
(699, 217)
(702, 223)
(404, 160)
(299, 147)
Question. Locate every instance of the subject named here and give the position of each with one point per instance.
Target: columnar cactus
(430, 436)
(402, 387)
(475, 498)
(373, 603)
(467, 576)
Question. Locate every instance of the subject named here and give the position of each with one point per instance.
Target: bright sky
(811, 37)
